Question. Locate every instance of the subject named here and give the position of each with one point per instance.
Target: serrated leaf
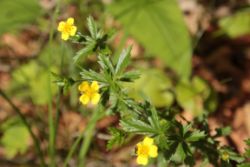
(136, 126)
(92, 76)
(92, 27)
(106, 63)
(87, 50)
(123, 60)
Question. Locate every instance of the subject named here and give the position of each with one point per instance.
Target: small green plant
(165, 136)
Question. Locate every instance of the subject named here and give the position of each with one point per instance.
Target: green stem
(95, 117)
(25, 122)
(89, 135)
(72, 149)
(52, 130)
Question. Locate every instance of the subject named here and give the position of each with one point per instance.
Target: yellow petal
(61, 26)
(84, 99)
(94, 86)
(70, 21)
(148, 141)
(153, 151)
(142, 160)
(73, 30)
(84, 86)
(95, 98)
(65, 36)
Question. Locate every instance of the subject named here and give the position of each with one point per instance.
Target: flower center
(143, 150)
(67, 28)
(90, 92)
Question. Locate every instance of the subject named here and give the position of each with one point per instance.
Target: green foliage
(30, 80)
(154, 85)
(236, 25)
(223, 131)
(15, 137)
(247, 152)
(15, 14)
(117, 137)
(95, 42)
(178, 143)
(123, 61)
(193, 96)
(158, 25)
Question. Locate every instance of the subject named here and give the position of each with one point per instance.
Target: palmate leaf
(158, 25)
(137, 126)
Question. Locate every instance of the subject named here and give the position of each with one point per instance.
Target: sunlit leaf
(15, 138)
(238, 24)
(158, 25)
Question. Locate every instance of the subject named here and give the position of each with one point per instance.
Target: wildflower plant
(164, 140)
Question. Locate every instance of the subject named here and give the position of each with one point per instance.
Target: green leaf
(15, 138)
(118, 137)
(180, 152)
(92, 27)
(195, 136)
(27, 83)
(154, 85)
(136, 126)
(92, 76)
(238, 24)
(87, 50)
(244, 165)
(106, 64)
(123, 60)
(223, 131)
(193, 95)
(16, 14)
(129, 76)
(158, 25)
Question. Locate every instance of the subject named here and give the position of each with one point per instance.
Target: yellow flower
(67, 28)
(89, 92)
(225, 156)
(146, 149)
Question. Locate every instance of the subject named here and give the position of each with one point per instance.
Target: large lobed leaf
(158, 25)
